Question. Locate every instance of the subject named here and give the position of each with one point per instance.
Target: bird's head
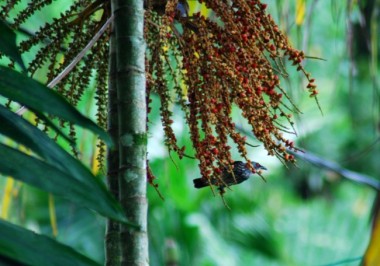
(242, 169)
(258, 166)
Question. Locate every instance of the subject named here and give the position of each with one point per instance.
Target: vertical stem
(112, 239)
(130, 83)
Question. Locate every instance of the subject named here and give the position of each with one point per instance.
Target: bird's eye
(257, 165)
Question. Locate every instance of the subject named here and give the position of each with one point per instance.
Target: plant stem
(112, 239)
(130, 83)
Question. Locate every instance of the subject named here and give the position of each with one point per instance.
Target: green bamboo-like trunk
(112, 239)
(131, 113)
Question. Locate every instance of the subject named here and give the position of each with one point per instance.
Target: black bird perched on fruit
(240, 173)
(182, 8)
(181, 13)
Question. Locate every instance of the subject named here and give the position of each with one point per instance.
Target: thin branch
(328, 165)
(336, 168)
(76, 60)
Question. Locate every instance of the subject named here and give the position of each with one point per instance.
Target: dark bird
(182, 9)
(240, 174)
(181, 13)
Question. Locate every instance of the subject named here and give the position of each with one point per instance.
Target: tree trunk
(112, 239)
(130, 83)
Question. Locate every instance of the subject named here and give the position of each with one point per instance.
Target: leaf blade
(30, 248)
(27, 91)
(8, 44)
(91, 194)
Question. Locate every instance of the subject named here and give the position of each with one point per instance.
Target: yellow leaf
(372, 254)
(195, 6)
(300, 12)
(7, 198)
(95, 166)
(52, 214)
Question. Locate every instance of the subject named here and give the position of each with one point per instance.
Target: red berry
(215, 151)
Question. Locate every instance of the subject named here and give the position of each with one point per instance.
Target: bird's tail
(191, 25)
(200, 183)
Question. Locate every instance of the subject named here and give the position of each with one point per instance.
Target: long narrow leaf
(22, 89)
(8, 44)
(31, 137)
(5, 261)
(20, 130)
(49, 178)
(29, 248)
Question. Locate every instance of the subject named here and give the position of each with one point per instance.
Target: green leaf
(31, 137)
(91, 193)
(27, 247)
(20, 130)
(22, 89)
(4, 261)
(8, 44)
(58, 130)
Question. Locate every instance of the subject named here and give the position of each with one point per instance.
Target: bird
(240, 174)
(181, 13)
(182, 9)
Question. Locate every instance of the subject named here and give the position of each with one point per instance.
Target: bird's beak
(262, 167)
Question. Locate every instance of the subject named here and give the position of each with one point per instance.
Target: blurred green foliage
(300, 216)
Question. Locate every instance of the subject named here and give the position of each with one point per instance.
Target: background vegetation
(302, 215)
